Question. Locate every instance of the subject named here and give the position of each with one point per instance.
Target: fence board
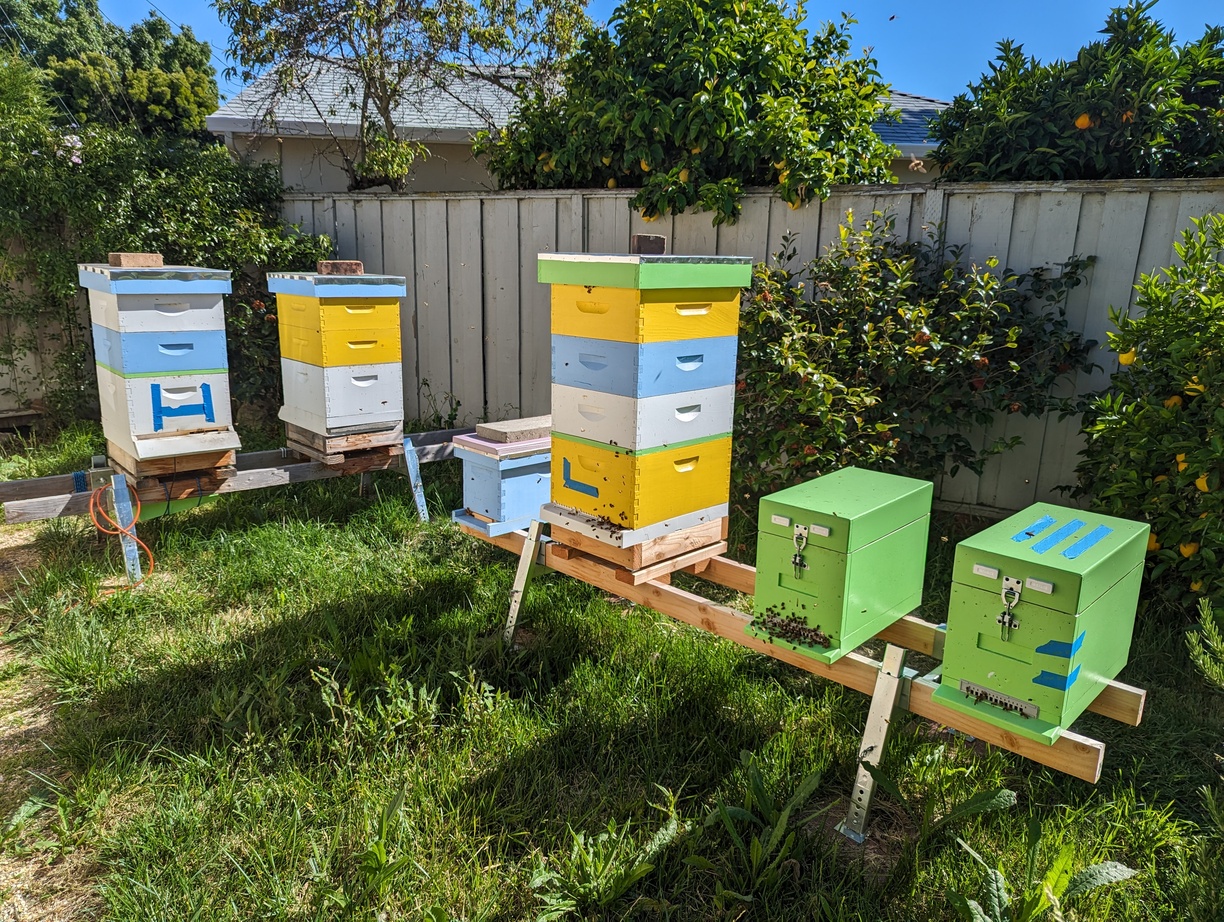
(501, 305)
(464, 249)
(367, 214)
(538, 233)
(399, 258)
(433, 301)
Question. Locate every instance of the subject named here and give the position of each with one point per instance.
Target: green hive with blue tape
(1040, 617)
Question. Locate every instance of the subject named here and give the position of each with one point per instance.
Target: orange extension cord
(108, 526)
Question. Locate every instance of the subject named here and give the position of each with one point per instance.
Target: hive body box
(1078, 575)
(643, 366)
(161, 359)
(340, 351)
(864, 539)
(504, 483)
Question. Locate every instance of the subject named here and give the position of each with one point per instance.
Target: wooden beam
(730, 573)
(1072, 754)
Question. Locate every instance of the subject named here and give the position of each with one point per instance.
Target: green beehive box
(861, 539)
(1068, 632)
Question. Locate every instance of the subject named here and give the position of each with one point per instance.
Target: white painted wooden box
(646, 422)
(160, 417)
(343, 398)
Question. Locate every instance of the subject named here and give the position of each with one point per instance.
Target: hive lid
(847, 509)
(153, 280)
(1067, 557)
(313, 285)
(645, 272)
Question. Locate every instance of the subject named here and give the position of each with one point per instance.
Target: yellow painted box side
(638, 490)
(320, 314)
(629, 315)
(330, 348)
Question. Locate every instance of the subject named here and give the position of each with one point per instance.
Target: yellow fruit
(695, 149)
(1189, 549)
(1161, 478)
(644, 165)
(606, 161)
(1084, 121)
(684, 175)
(1196, 586)
(1181, 463)
(1128, 358)
(1201, 483)
(780, 165)
(782, 176)
(612, 183)
(545, 155)
(1193, 387)
(793, 206)
(1172, 402)
(1153, 543)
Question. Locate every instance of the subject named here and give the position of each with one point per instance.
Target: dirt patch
(17, 556)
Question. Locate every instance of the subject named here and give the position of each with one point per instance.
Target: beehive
(643, 364)
(1040, 617)
(161, 359)
(839, 558)
(340, 351)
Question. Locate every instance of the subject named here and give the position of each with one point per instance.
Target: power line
(34, 61)
(211, 48)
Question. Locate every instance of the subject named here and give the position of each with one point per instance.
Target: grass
(307, 714)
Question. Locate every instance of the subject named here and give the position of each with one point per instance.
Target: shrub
(884, 353)
(691, 101)
(1156, 436)
(1133, 105)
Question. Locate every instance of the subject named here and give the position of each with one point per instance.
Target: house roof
(455, 111)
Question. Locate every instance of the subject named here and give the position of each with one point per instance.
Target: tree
(1136, 104)
(385, 54)
(691, 101)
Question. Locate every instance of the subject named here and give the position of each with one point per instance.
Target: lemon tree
(691, 101)
(1135, 104)
(1156, 437)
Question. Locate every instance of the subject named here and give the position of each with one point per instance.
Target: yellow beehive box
(330, 314)
(632, 315)
(330, 347)
(632, 490)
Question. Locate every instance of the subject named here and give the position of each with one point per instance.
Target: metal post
(121, 503)
(528, 560)
(413, 463)
(890, 684)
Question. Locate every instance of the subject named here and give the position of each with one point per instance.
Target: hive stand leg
(121, 503)
(413, 463)
(889, 686)
(526, 567)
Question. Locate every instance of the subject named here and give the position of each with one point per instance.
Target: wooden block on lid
(135, 260)
(516, 430)
(341, 267)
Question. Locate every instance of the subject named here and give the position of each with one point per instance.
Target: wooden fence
(476, 321)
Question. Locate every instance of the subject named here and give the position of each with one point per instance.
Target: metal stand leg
(121, 501)
(528, 561)
(413, 463)
(889, 687)
(364, 483)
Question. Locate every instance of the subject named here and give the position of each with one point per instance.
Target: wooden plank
(346, 228)
(399, 258)
(697, 559)
(162, 467)
(731, 573)
(607, 224)
(325, 217)
(648, 552)
(367, 215)
(36, 487)
(1156, 250)
(537, 234)
(466, 271)
(502, 266)
(694, 234)
(298, 211)
(433, 304)
(749, 236)
(1072, 754)
(1193, 205)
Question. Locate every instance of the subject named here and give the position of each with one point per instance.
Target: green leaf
(1097, 875)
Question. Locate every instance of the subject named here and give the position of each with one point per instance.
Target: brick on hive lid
(341, 267)
(135, 260)
(516, 430)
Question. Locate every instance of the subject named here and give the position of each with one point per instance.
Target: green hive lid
(1078, 554)
(857, 506)
(642, 272)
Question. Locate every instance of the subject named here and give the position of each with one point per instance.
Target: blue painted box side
(643, 369)
(504, 490)
(135, 355)
(169, 280)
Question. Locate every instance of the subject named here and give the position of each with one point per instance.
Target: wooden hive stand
(213, 465)
(337, 449)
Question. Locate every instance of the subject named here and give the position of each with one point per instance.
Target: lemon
(695, 149)
(1189, 549)
(1161, 478)
(1193, 387)
(782, 176)
(1181, 463)
(684, 175)
(1174, 401)
(606, 161)
(1153, 543)
(545, 155)
(612, 183)
(1201, 483)
(644, 165)
(1196, 586)
(1128, 358)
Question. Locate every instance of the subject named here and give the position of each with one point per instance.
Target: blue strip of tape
(1057, 537)
(1055, 681)
(576, 485)
(1089, 540)
(1035, 529)
(1061, 647)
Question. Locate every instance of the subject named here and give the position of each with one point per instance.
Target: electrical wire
(108, 526)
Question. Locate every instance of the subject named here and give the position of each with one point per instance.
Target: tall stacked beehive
(340, 360)
(162, 364)
(643, 392)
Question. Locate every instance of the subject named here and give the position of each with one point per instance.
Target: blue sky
(931, 49)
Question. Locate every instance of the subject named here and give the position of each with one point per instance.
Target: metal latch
(800, 538)
(1011, 595)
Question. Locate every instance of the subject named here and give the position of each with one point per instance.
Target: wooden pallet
(337, 449)
(655, 559)
(214, 464)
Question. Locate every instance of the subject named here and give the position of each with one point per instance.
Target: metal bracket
(531, 558)
(413, 464)
(891, 684)
(121, 504)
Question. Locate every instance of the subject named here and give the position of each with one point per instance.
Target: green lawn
(307, 713)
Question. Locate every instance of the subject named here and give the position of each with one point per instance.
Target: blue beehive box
(504, 483)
